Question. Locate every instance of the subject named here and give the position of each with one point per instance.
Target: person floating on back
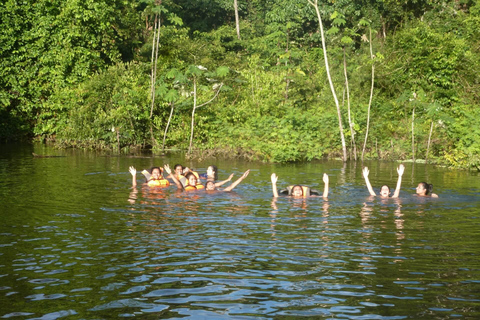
(298, 191)
(385, 190)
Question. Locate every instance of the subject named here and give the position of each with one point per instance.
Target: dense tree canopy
(78, 72)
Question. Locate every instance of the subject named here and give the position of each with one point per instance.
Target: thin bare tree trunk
(152, 82)
(193, 112)
(195, 107)
(429, 139)
(154, 75)
(413, 135)
(352, 131)
(237, 20)
(314, 3)
(168, 124)
(287, 81)
(371, 96)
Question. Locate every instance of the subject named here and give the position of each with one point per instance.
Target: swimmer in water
(154, 177)
(298, 191)
(178, 172)
(212, 175)
(190, 181)
(425, 190)
(212, 186)
(385, 190)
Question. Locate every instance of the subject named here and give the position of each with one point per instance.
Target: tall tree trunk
(350, 123)
(237, 20)
(413, 135)
(287, 80)
(168, 124)
(152, 77)
(154, 68)
(314, 3)
(371, 96)
(193, 112)
(195, 107)
(428, 143)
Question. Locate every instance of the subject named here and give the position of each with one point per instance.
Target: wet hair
(210, 181)
(428, 187)
(215, 171)
(177, 165)
(153, 168)
(385, 186)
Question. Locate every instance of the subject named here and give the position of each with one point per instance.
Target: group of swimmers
(189, 180)
(185, 178)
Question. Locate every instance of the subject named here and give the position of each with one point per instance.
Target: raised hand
(401, 169)
(325, 178)
(132, 170)
(167, 169)
(365, 172)
(274, 178)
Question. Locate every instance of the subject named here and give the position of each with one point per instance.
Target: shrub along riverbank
(80, 73)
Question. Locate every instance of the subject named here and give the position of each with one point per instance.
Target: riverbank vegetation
(79, 73)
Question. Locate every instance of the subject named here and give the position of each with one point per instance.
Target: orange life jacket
(158, 183)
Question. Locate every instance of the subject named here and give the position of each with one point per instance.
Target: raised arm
(220, 183)
(325, 189)
(169, 171)
(133, 171)
(400, 170)
(235, 183)
(365, 172)
(274, 179)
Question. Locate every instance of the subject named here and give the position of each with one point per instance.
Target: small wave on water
(94, 248)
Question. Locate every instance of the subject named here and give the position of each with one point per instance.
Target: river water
(76, 242)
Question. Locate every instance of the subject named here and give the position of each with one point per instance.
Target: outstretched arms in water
(236, 182)
(274, 179)
(400, 171)
(365, 172)
(325, 188)
(220, 183)
(169, 171)
(133, 171)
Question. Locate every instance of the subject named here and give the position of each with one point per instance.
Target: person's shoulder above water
(298, 190)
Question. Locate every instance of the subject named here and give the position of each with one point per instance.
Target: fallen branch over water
(43, 156)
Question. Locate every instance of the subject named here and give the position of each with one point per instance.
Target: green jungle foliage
(79, 72)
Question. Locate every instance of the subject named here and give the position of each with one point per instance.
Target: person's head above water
(424, 189)
(191, 179)
(212, 172)
(385, 191)
(156, 172)
(297, 191)
(210, 185)
(178, 169)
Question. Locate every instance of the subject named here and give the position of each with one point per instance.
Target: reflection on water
(77, 241)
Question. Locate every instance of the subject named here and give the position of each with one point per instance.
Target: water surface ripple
(72, 245)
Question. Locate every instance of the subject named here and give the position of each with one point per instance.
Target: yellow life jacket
(158, 183)
(183, 180)
(197, 187)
